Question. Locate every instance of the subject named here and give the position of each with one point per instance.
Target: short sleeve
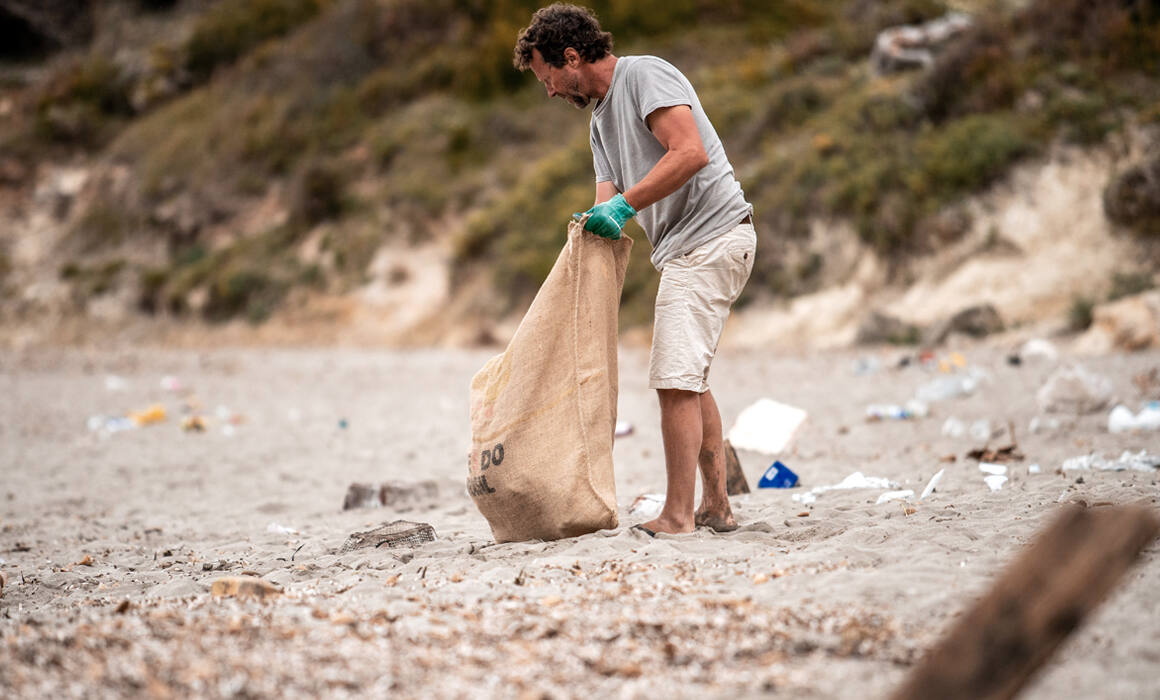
(658, 84)
(600, 162)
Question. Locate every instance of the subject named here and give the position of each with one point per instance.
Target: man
(656, 154)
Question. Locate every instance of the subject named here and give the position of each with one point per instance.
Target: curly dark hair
(562, 26)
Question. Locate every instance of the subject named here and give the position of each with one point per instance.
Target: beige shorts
(693, 303)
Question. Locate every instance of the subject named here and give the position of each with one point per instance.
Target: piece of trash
(951, 387)
(995, 481)
(1007, 453)
(343, 424)
(912, 409)
(857, 480)
(400, 533)
(107, 425)
(171, 383)
(1033, 469)
(115, 383)
(1073, 389)
(623, 428)
(647, 505)
(735, 481)
(981, 430)
(1122, 420)
(391, 493)
(989, 468)
(893, 496)
(243, 587)
(766, 426)
(280, 529)
(148, 416)
(930, 485)
(778, 476)
(1038, 349)
(1042, 424)
(193, 424)
(1140, 461)
(953, 427)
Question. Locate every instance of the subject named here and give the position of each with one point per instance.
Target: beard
(578, 99)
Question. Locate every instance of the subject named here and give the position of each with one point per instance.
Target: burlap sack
(543, 412)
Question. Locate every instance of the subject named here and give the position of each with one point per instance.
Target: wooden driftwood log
(997, 645)
(735, 482)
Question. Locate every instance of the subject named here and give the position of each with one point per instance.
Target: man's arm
(676, 130)
(605, 191)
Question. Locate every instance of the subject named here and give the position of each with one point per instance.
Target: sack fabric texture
(543, 412)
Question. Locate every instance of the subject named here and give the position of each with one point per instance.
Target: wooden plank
(999, 643)
(735, 482)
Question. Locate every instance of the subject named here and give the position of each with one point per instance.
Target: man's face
(562, 82)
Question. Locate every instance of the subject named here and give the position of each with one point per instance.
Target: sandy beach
(110, 541)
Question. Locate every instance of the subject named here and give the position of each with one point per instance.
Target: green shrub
(1126, 284)
(230, 29)
(968, 154)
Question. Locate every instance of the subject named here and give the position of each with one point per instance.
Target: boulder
(1131, 323)
(878, 327)
(975, 321)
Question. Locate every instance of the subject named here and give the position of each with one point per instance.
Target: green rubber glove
(608, 218)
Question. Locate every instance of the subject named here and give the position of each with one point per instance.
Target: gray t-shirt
(624, 151)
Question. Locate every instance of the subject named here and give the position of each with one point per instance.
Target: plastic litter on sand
(1122, 420)
(932, 484)
(1140, 461)
(778, 476)
(766, 426)
(894, 496)
(989, 468)
(995, 481)
(647, 505)
(857, 480)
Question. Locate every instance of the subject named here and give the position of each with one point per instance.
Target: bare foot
(672, 527)
(716, 519)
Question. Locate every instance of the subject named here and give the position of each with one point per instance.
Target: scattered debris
(647, 505)
(857, 480)
(243, 587)
(171, 383)
(391, 493)
(400, 533)
(1007, 453)
(778, 476)
(1073, 389)
(995, 469)
(913, 409)
(1122, 420)
(1033, 469)
(1038, 349)
(735, 481)
(952, 387)
(148, 416)
(766, 426)
(280, 529)
(193, 424)
(995, 481)
(1140, 461)
(623, 428)
(954, 428)
(932, 484)
(894, 495)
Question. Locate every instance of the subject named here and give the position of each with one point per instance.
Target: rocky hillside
(375, 170)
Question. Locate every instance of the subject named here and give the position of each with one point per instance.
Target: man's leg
(681, 431)
(715, 511)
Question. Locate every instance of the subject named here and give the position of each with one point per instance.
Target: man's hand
(608, 218)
